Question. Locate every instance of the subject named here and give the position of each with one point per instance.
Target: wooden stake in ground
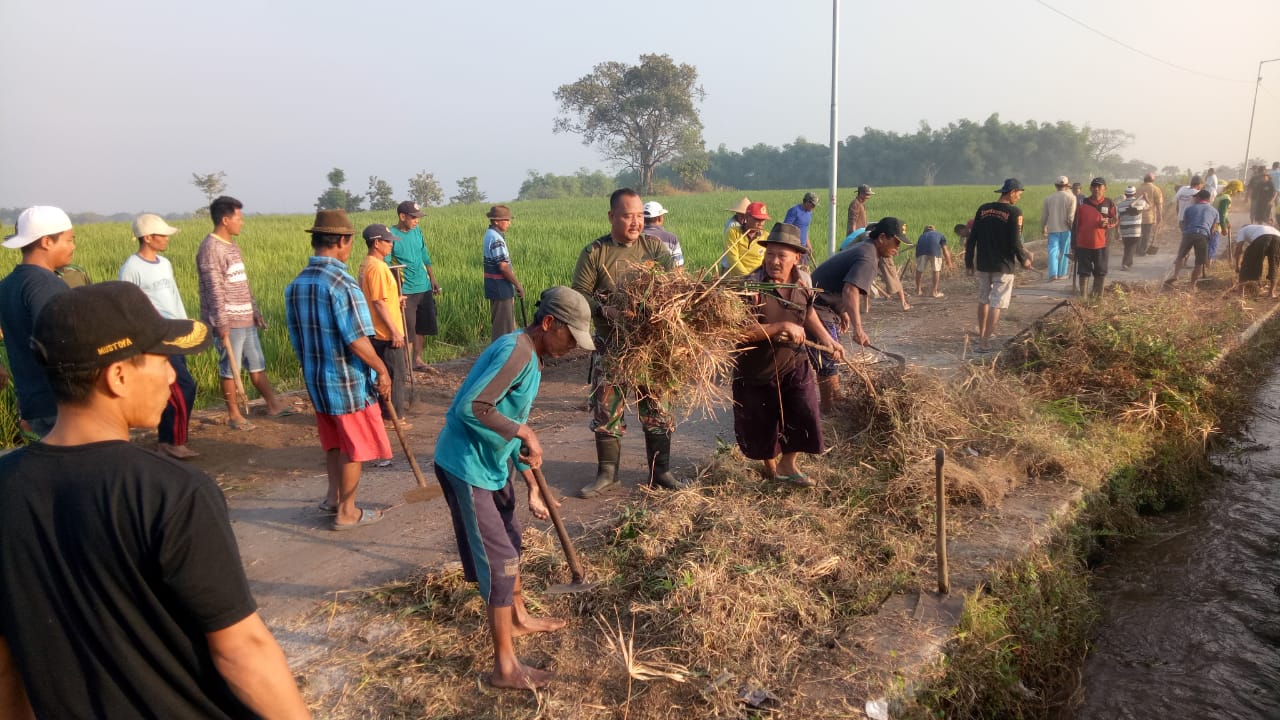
(944, 582)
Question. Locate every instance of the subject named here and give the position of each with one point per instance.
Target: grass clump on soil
(739, 597)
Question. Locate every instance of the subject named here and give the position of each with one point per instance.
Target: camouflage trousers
(608, 404)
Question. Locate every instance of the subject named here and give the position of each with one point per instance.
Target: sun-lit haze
(111, 106)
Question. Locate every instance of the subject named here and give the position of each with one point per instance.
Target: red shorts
(359, 435)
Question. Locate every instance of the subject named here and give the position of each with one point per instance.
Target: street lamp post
(1248, 143)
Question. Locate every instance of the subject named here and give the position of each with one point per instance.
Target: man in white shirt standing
(151, 271)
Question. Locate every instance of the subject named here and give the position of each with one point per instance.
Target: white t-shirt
(1249, 233)
(156, 280)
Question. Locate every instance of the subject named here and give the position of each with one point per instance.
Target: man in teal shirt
(420, 286)
(485, 434)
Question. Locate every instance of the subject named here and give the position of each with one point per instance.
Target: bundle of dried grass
(676, 337)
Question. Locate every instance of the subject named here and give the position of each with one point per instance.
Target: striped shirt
(496, 286)
(225, 299)
(326, 313)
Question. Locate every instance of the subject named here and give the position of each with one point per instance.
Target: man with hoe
(844, 279)
(1153, 215)
(600, 266)
(228, 308)
(386, 308)
(858, 210)
(151, 271)
(420, 287)
(801, 216)
(47, 242)
(329, 326)
(993, 250)
(501, 286)
(122, 594)
(1197, 221)
(485, 442)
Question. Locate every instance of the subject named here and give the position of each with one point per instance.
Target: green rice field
(545, 239)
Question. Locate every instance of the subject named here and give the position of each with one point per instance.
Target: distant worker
(857, 216)
(228, 308)
(1056, 218)
(501, 287)
(993, 250)
(1211, 182)
(122, 593)
(1185, 196)
(1197, 221)
(485, 443)
(655, 226)
(1129, 211)
(47, 241)
(1095, 217)
(1152, 216)
(329, 327)
(420, 287)
(738, 214)
(386, 310)
(601, 266)
(1262, 202)
(931, 255)
(801, 215)
(151, 271)
(743, 253)
(1258, 242)
(1223, 205)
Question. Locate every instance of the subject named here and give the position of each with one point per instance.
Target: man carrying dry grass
(597, 275)
(485, 432)
(775, 400)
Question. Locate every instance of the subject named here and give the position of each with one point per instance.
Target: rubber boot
(828, 390)
(657, 450)
(608, 450)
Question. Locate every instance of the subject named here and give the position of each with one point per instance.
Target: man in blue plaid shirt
(330, 326)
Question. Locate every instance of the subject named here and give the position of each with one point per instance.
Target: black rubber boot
(608, 450)
(657, 448)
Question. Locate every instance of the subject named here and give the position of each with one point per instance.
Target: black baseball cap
(1098, 181)
(410, 208)
(377, 232)
(1010, 185)
(95, 325)
(888, 226)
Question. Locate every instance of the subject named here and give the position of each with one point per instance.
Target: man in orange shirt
(386, 306)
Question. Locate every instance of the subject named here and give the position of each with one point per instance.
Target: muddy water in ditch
(1191, 615)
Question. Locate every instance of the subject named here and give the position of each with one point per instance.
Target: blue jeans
(1059, 246)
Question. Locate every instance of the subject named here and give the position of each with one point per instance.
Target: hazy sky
(112, 105)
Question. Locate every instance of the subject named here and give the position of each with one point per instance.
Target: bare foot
(905, 306)
(521, 677)
(531, 625)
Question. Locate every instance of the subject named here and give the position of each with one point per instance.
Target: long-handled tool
(241, 397)
(578, 583)
(899, 359)
(524, 319)
(408, 344)
(404, 445)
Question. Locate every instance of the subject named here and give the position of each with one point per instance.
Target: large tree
(639, 116)
(380, 194)
(425, 190)
(468, 192)
(336, 197)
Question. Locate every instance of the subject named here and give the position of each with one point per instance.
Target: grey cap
(569, 307)
(810, 198)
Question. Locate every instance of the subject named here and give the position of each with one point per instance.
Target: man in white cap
(653, 226)
(151, 271)
(1056, 218)
(47, 242)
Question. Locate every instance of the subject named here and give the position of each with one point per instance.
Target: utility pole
(1249, 141)
(835, 149)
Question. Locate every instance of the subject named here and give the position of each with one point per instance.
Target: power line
(1143, 53)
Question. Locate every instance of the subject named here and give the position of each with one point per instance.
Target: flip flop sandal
(367, 517)
(286, 412)
(243, 425)
(327, 509)
(799, 480)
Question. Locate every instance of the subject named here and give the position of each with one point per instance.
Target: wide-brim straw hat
(332, 222)
(785, 234)
(499, 212)
(741, 207)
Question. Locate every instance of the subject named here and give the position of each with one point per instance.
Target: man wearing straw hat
(500, 284)
(122, 593)
(600, 268)
(151, 271)
(329, 326)
(775, 400)
(486, 441)
(47, 241)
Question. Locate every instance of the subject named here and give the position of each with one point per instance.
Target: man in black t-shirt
(121, 589)
(993, 250)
